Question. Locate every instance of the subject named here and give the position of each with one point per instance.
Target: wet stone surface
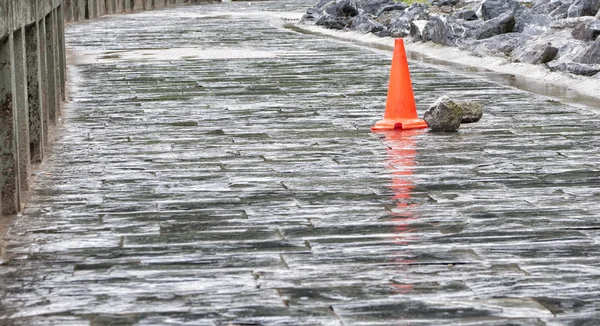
(214, 169)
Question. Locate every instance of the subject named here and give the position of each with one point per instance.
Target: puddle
(92, 57)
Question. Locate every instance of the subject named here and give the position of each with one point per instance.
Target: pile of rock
(561, 34)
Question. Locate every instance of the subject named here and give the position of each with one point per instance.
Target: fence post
(22, 113)
(34, 84)
(9, 195)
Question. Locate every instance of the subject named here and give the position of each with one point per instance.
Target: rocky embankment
(563, 35)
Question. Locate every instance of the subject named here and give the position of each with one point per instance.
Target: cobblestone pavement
(214, 169)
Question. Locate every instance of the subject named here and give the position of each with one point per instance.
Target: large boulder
(342, 8)
(499, 46)
(597, 14)
(417, 11)
(594, 28)
(448, 31)
(373, 6)
(386, 17)
(561, 12)
(465, 14)
(396, 6)
(331, 22)
(316, 12)
(592, 55)
(575, 68)
(535, 53)
(570, 22)
(546, 7)
(529, 22)
(587, 31)
(524, 17)
(443, 115)
(498, 25)
(435, 31)
(494, 8)
(440, 3)
(583, 8)
(569, 49)
(321, 4)
(399, 27)
(472, 111)
(580, 32)
(311, 16)
(364, 23)
(417, 27)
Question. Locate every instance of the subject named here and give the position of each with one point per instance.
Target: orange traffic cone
(400, 107)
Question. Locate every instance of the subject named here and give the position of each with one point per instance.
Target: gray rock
(342, 8)
(386, 17)
(580, 32)
(597, 75)
(500, 45)
(435, 31)
(561, 12)
(448, 31)
(383, 33)
(440, 3)
(399, 27)
(416, 29)
(396, 6)
(446, 9)
(364, 23)
(587, 31)
(373, 6)
(320, 6)
(535, 53)
(499, 25)
(443, 115)
(546, 7)
(311, 16)
(317, 11)
(575, 68)
(583, 8)
(331, 22)
(417, 11)
(570, 22)
(465, 15)
(594, 28)
(529, 22)
(494, 8)
(597, 15)
(592, 55)
(472, 111)
(569, 49)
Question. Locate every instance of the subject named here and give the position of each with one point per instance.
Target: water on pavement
(215, 169)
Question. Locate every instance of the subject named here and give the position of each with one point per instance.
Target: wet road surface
(214, 169)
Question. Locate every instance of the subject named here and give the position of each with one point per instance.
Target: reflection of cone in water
(401, 161)
(400, 107)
